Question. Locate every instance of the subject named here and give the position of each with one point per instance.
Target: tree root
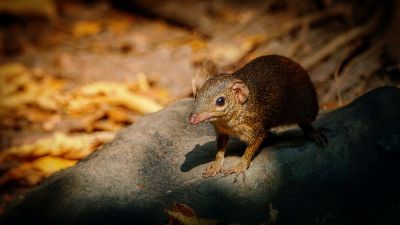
(340, 41)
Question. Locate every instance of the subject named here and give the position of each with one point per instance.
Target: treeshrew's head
(218, 96)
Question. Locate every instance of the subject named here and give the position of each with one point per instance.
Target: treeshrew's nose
(193, 119)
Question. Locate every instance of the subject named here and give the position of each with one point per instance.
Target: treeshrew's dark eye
(220, 101)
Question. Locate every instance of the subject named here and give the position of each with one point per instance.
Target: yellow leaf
(11, 77)
(197, 44)
(106, 125)
(61, 145)
(46, 8)
(118, 115)
(86, 28)
(31, 173)
(142, 82)
(19, 87)
(50, 164)
(119, 26)
(91, 95)
(252, 41)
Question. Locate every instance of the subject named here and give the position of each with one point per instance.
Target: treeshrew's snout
(193, 119)
(196, 118)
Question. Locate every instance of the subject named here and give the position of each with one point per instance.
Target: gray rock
(160, 159)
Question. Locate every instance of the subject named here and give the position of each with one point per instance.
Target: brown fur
(279, 93)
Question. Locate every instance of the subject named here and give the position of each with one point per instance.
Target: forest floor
(73, 73)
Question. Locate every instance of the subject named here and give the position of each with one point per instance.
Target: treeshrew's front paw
(240, 168)
(213, 169)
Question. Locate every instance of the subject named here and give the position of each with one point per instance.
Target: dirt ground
(73, 73)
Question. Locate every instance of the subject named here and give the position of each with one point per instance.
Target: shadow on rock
(202, 154)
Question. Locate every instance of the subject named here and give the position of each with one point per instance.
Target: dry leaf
(224, 53)
(118, 115)
(273, 213)
(31, 99)
(49, 164)
(45, 8)
(61, 145)
(183, 215)
(86, 28)
(119, 26)
(197, 44)
(142, 82)
(106, 125)
(251, 41)
(20, 87)
(31, 173)
(90, 96)
(12, 78)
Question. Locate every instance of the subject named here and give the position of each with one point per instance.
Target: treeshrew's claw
(213, 169)
(240, 168)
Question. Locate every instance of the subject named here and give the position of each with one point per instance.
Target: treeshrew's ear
(240, 91)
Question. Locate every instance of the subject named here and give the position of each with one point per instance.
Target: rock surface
(160, 159)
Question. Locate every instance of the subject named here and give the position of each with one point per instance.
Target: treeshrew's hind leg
(314, 135)
(218, 164)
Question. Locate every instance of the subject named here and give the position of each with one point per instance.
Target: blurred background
(72, 73)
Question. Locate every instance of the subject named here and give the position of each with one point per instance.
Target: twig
(208, 69)
(336, 75)
(298, 43)
(340, 41)
(194, 82)
(246, 25)
(240, 54)
(308, 19)
(351, 74)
